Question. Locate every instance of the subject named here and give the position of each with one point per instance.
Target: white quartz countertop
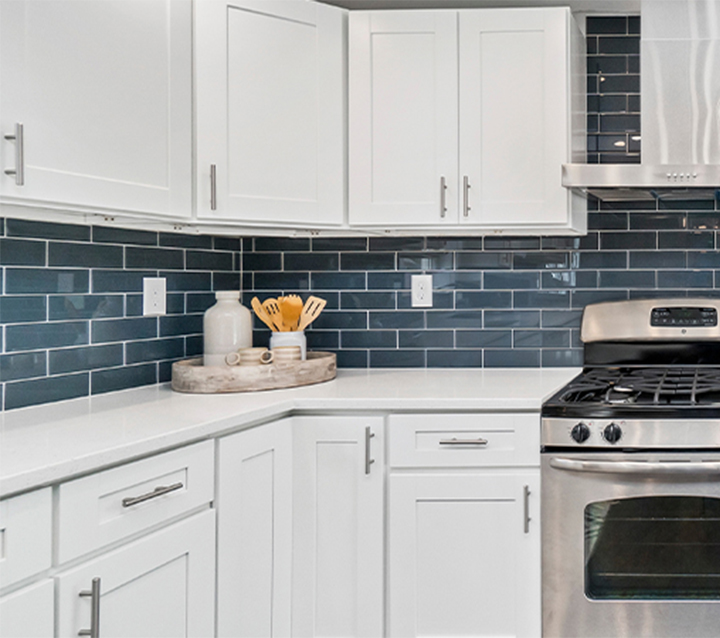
(49, 443)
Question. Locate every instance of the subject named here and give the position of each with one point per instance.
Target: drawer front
(108, 506)
(25, 535)
(464, 440)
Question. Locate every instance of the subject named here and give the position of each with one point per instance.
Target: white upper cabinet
(102, 92)
(270, 112)
(463, 118)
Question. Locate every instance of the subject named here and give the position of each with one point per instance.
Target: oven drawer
(25, 529)
(108, 506)
(464, 440)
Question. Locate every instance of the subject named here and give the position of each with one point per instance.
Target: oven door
(631, 544)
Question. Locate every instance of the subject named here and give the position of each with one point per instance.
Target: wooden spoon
(261, 314)
(272, 308)
(313, 307)
(291, 308)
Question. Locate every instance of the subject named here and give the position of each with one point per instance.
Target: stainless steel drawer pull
(479, 442)
(443, 192)
(19, 170)
(368, 461)
(526, 508)
(158, 491)
(466, 196)
(213, 187)
(94, 595)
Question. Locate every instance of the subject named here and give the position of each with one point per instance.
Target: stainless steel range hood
(680, 110)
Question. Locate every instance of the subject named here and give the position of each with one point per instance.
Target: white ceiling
(579, 6)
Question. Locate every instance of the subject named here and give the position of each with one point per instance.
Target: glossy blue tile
(425, 339)
(367, 261)
(322, 339)
(165, 258)
(227, 243)
(185, 281)
(225, 280)
(344, 320)
(465, 300)
(685, 279)
(154, 350)
(22, 309)
(194, 345)
(207, 260)
(338, 281)
(611, 24)
(454, 358)
(512, 358)
(407, 319)
(396, 243)
(23, 366)
(367, 300)
(280, 244)
(454, 319)
(686, 239)
(541, 261)
(454, 243)
(391, 281)
(105, 330)
(512, 319)
(512, 243)
(46, 230)
(84, 255)
(425, 261)
(628, 240)
(561, 318)
(570, 279)
(171, 326)
(66, 307)
(658, 221)
(564, 358)
(483, 261)
(541, 299)
(703, 221)
(122, 378)
(104, 281)
(262, 261)
(511, 280)
(181, 240)
(441, 299)
(19, 252)
(87, 358)
(368, 339)
(581, 298)
(108, 235)
(457, 280)
(541, 339)
(311, 261)
(20, 394)
(35, 280)
(281, 281)
(198, 302)
(339, 244)
(627, 279)
(483, 339)
(658, 259)
(40, 336)
(607, 221)
(702, 259)
(397, 358)
(352, 358)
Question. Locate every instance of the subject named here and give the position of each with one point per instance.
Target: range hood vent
(680, 110)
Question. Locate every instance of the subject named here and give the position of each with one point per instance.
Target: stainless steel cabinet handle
(19, 170)
(526, 509)
(94, 595)
(443, 192)
(158, 491)
(213, 187)
(368, 461)
(466, 196)
(478, 442)
(636, 467)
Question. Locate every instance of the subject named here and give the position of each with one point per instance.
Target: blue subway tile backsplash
(71, 302)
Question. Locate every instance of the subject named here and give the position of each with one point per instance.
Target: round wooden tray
(192, 376)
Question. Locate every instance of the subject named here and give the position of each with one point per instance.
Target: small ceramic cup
(294, 338)
(286, 354)
(249, 357)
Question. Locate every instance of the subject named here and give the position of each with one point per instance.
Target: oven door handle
(636, 467)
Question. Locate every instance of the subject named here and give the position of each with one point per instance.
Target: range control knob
(580, 433)
(612, 433)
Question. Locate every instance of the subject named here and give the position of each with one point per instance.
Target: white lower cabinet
(338, 470)
(28, 613)
(463, 533)
(255, 532)
(159, 585)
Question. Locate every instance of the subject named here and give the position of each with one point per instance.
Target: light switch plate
(421, 291)
(154, 295)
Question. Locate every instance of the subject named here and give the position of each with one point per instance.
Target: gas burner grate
(645, 386)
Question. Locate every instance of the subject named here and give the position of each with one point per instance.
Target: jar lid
(227, 294)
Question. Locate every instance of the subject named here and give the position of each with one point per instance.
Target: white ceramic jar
(227, 326)
(294, 338)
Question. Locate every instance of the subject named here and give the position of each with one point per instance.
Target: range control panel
(682, 317)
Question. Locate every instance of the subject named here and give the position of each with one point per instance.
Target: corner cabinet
(462, 119)
(464, 528)
(270, 112)
(96, 106)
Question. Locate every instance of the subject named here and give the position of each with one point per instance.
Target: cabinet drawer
(25, 535)
(464, 440)
(105, 507)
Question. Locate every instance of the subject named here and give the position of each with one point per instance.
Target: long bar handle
(94, 595)
(466, 196)
(636, 467)
(19, 170)
(478, 442)
(369, 434)
(158, 491)
(213, 187)
(526, 509)
(443, 193)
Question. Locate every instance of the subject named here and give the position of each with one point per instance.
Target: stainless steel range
(631, 476)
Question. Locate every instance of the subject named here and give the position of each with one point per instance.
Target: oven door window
(655, 547)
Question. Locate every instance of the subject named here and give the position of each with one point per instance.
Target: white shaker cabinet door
(28, 613)
(403, 118)
(514, 116)
(338, 526)
(270, 123)
(462, 559)
(255, 532)
(162, 585)
(103, 94)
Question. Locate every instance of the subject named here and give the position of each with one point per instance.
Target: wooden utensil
(312, 308)
(261, 314)
(291, 308)
(271, 307)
